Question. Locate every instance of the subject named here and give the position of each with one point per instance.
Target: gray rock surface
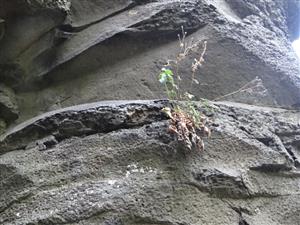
(2, 126)
(2, 28)
(115, 49)
(133, 172)
(252, 93)
(67, 160)
(8, 105)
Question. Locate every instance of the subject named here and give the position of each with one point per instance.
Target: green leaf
(163, 78)
(170, 79)
(169, 72)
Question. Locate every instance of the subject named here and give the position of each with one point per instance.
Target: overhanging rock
(114, 50)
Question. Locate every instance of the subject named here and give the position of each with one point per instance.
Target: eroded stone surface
(114, 50)
(8, 104)
(136, 173)
(80, 121)
(114, 162)
(2, 126)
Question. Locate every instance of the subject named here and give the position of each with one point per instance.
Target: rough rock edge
(62, 5)
(82, 120)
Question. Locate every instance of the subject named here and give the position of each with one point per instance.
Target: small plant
(186, 122)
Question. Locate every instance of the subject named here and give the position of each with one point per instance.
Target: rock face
(8, 105)
(114, 49)
(113, 162)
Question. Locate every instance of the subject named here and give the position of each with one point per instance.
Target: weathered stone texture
(8, 105)
(133, 172)
(113, 162)
(115, 49)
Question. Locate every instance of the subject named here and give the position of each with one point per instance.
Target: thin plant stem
(242, 89)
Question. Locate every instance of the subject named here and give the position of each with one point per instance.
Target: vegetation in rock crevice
(187, 123)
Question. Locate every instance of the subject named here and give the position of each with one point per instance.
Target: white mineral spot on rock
(90, 192)
(111, 182)
(135, 168)
(257, 210)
